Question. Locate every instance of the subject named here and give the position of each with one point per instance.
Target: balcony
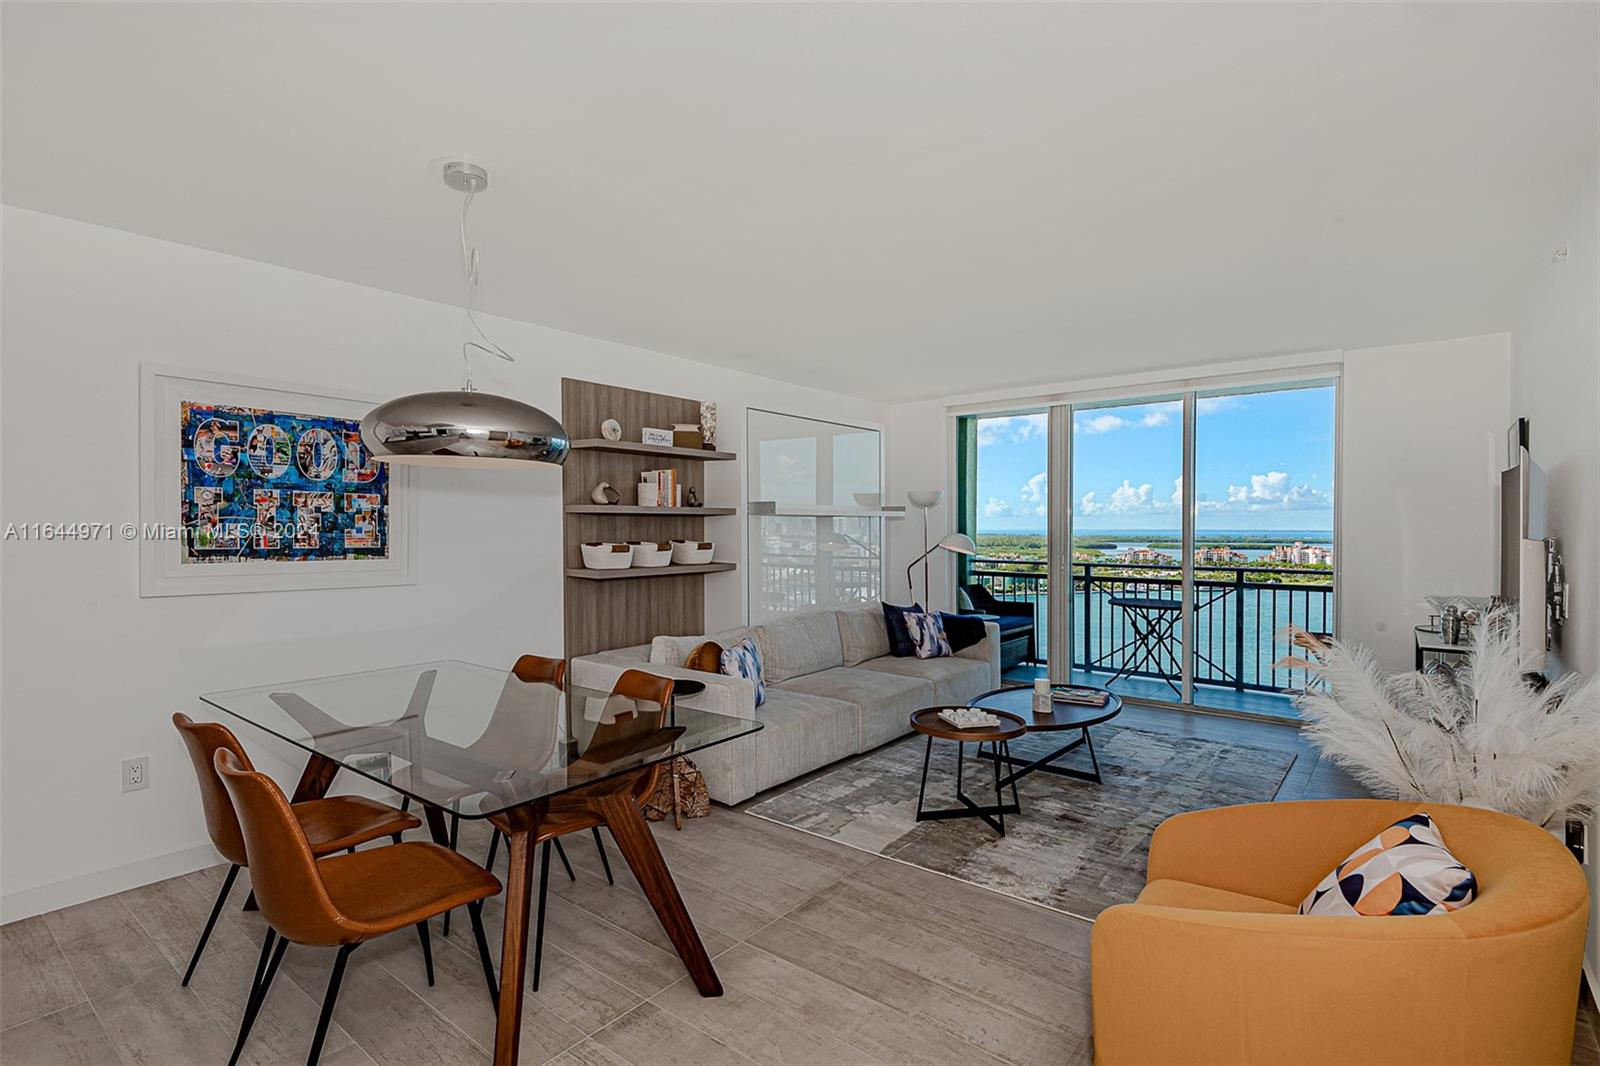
(1121, 631)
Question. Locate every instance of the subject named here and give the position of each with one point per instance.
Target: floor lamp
(959, 543)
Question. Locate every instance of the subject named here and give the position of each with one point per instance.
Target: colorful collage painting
(271, 485)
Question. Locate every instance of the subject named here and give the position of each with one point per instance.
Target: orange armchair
(1213, 965)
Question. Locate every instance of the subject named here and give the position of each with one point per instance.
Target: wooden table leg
(520, 825)
(632, 833)
(677, 812)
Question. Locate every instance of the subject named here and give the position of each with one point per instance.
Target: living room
(723, 389)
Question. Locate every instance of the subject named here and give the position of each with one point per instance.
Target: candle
(1041, 695)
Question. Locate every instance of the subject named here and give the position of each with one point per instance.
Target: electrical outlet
(136, 773)
(1578, 840)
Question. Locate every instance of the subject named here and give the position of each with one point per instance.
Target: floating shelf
(675, 570)
(667, 512)
(627, 447)
(769, 508)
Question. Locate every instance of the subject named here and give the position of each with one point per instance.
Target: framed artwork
(248, 485)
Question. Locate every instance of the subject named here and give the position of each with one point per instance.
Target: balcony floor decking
(1210, 697)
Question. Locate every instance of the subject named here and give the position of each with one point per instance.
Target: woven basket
(693, 800)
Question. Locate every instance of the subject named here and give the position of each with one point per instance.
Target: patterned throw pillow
(1406, 869)
(927, 635)
(743, 660)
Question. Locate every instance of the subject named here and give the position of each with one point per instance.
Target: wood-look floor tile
(72, 1036)
(625, 907)
(35, 979)
(763, 1031)
(460, 994)
(282, 1031)
(636, 964)
(589, 1053)
(382, 1015)
(576, 991)
(971, 998)
(173, 912)
(105, 946)
(885, 1032)
(649, 1036)
(157, 1021)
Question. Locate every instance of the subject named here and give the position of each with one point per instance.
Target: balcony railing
(1241, 615)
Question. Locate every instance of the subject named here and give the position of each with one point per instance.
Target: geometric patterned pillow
(926, 630)
(1406, 869)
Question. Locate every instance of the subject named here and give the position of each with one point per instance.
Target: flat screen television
(1523, 555)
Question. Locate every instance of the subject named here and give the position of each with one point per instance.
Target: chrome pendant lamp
(465, 428)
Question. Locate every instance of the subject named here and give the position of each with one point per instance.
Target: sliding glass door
(1193, 538)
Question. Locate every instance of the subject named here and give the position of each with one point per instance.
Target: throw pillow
(901, 645)
(744, 660)
(927, 634)
(964, 630)
(1406, 869)
(706, 656)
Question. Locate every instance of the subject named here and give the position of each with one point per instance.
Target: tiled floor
(828, 955)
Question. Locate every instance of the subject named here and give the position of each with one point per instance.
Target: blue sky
(1262, 461)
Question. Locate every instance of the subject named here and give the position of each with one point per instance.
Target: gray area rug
(1076, 847)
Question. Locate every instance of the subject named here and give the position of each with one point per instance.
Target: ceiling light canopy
(465, 428)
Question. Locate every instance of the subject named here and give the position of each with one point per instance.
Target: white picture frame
(162, 571)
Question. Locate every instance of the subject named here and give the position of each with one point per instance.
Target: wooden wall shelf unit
(608, 609)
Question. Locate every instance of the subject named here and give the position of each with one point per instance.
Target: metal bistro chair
(344, 900)
(332, 824)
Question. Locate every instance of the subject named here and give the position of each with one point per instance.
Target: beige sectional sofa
(833, 690)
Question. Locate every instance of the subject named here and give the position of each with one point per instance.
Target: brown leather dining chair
(652, 696)
(331, 824)
(535, 668)
(341, 901)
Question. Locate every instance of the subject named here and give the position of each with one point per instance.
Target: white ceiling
(898, 201)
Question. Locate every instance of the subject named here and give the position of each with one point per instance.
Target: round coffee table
(1062, 717)
(929, 724)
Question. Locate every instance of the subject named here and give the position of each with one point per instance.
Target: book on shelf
(660, 488)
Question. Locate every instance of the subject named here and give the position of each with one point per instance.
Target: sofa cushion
(955, 679)
(862, 634)
(674, 651)
(928, 638)
(894, 621)
(1406, 869)
(799, 734)
(1168, 893)
(801, 644)
(885, 700)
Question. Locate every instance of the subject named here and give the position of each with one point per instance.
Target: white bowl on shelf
(692, 552)
(648, 553)
(607, 556)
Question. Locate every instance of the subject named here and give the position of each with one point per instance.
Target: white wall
(920, 459)
(91, 673)
(1418, 490)
(1555, 382)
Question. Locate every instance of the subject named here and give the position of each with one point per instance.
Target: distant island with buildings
(1292, 550)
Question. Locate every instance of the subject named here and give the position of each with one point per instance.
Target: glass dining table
(479, 742)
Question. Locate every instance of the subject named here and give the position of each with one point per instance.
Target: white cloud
(1012, 428)
(1275, 491)
(996, 508)
(1102, 423)
(1210, 405)
(1088, 505)
(1035, 493)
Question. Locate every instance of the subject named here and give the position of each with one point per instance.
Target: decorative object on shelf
(870, 501)
(688, 435)
(692, 552)
(1486, 737)
(267, 487)
(649, 553)
(656, 438)
(708, 423)
(607, 556)
(611, 429)
(604, 493)
(691, 498)
(465, 428)
(968, 718)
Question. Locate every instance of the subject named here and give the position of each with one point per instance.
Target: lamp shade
(925, 499)
(959, 543)
(463, 429)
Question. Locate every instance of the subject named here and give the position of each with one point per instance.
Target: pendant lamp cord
(476, 337)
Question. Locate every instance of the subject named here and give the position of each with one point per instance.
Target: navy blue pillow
(962, 630)
(901, 644)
